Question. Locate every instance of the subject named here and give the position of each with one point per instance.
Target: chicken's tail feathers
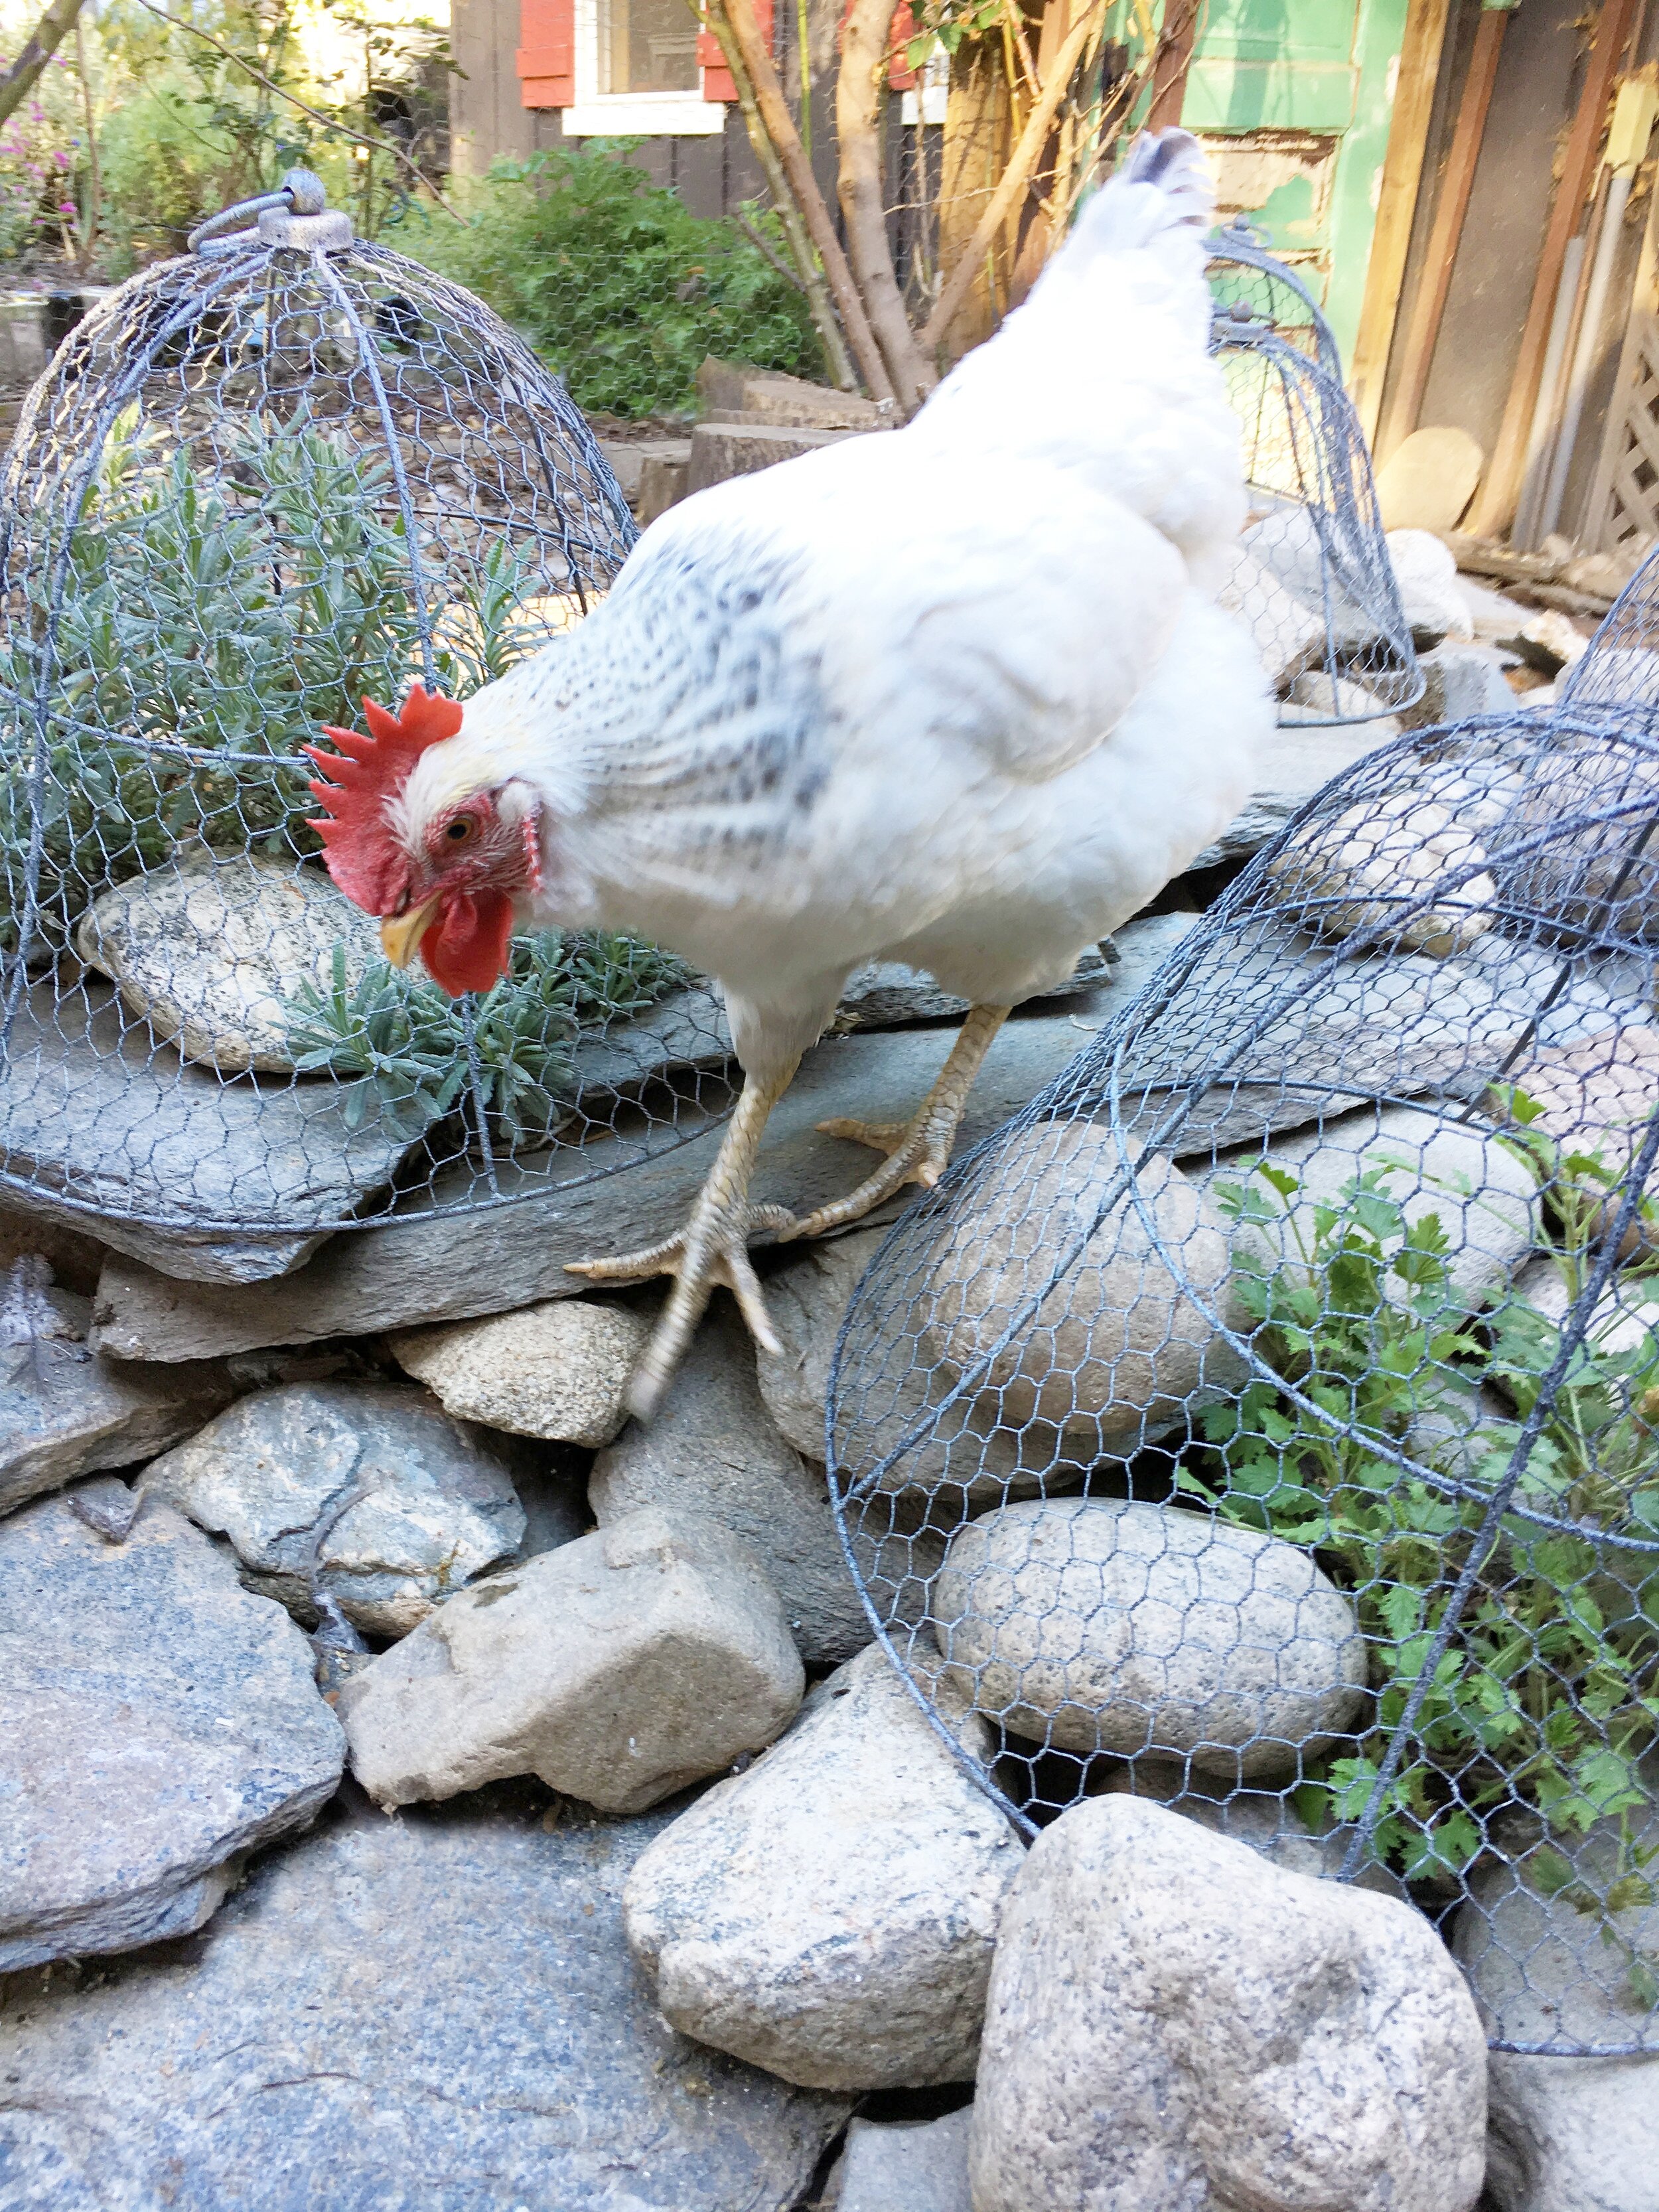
(1162, 194)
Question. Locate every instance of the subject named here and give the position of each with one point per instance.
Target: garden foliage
(616, 283)
(1541, 1707)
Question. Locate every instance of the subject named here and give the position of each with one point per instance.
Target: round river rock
(1095, 1624)
(210, 952)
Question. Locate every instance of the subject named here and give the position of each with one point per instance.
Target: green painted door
(1293, 99)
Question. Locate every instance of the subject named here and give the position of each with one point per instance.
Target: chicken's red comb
(361, 855)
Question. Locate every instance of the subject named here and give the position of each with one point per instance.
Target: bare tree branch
(733, 23)
(860, 99)
(843, 373)
(37, 50)
(1014, 179)
(763, 246)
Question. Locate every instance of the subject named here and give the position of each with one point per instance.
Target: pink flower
(67, 207)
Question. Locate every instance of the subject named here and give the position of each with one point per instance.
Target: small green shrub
(400, 1042)
(234, 618)
(1543, 1703)
(615, 282)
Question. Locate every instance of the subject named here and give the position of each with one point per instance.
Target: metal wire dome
(1621, 668)
(1267, 1419)
(1313, 578)
(258, 482)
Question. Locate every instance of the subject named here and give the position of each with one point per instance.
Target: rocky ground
(425, 1789)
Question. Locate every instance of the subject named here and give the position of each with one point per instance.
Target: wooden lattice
(1623, 507)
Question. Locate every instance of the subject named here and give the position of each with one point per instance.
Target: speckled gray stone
(434, 2014)
(617, 1668)
(66, 1411)
(557, 1370)
(157, 1722)
(807, 1300)
(371, 1494)
(1567, 2134)
(211, 952)
(829, 1913)
(1267, 1820)
(1097, 1623)
(1122, 1346)
(713, 1447)
(1174, 2024)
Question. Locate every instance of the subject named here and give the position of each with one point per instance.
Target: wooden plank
(1495, 502)
(1423, 326)
(1397, 207)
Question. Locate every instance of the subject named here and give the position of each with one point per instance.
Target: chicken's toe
(710, 1253)
(881, 1136)
(917, 1151)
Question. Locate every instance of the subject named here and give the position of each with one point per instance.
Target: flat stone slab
(419, 1269)
(687, 1029)
(66, 1411)
(1333, 1033)
(92, 1108)
(1396, 1025)
(433, 2014)
(1292, 764)
(886, 994)
(157, 1722)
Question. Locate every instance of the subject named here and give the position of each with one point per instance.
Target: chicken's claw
(710, 1252)
(919, 1150)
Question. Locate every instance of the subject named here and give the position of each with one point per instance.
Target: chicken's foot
(919, 1150)
(712, 1249)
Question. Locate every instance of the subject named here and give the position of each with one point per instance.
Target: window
(637, 72)
(647, 46)
(626, 68)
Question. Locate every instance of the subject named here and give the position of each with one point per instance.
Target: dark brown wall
(1491, 282)
(711, 174)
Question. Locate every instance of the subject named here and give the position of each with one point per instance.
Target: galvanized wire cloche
(1266, 1420)
(1313, 578)
(258, 483)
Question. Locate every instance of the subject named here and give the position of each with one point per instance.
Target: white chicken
(958, 694)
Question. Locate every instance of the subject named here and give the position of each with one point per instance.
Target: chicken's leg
(712, 1249)
(919, 1150)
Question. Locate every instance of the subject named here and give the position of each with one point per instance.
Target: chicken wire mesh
(259, 481)
(1313, 578)
(1620, 665)
(1266, 1419)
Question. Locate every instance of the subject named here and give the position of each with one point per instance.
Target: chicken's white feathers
(958, 692)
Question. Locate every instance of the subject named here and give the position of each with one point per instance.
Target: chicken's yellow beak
(401, 933)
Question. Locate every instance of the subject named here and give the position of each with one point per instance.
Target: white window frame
(596, 114)
(935, 88)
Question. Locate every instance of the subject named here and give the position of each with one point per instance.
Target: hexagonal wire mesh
(1267, 1417)
(259, 481)
(1313, 578)
(1620, 667)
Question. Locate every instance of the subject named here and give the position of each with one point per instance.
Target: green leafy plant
(231, 618)
(617, 284)
(401, 1045)
(1542, 1703)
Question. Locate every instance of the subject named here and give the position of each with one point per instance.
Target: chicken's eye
(462, 829)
